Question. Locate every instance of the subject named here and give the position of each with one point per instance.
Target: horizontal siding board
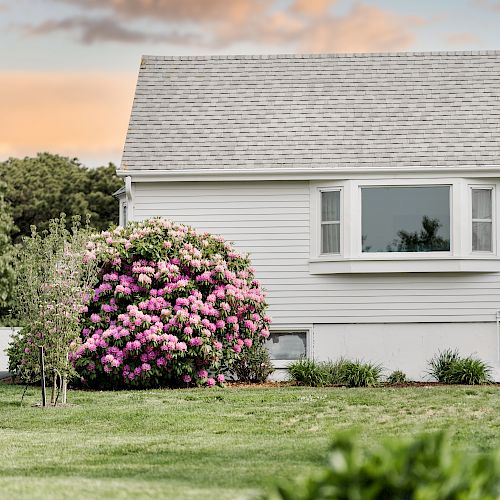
(270, 220)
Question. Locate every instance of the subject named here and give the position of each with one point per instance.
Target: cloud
(179, 10)
(304, 25)
(489, 4)
(81, 114)
(92, 30)
(364, 29)
(462, 39)
(312, 7)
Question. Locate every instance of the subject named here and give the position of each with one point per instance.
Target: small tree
(52, 289)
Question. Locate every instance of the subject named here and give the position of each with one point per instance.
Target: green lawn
(212, 443)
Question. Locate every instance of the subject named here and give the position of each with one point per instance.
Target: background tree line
(35, 190)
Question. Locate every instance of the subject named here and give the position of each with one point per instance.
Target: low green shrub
(254, 366)
(358, 374)
(341, 372)
(424, 468)
(308, 372)
(449, 367)
(470, 371)
(397, 377)
(440, 365)
(335, 371)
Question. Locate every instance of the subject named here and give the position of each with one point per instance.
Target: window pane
(481, 236)
(330, 238)
(481, 203)
(406, 219)
(287, 345)
(330, 206)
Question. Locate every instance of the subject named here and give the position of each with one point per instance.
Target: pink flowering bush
(172, 308)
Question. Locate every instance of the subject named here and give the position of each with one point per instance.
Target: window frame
(339, 222)
(489, 187)
(286, 328)
(460, 257)
(434, 254)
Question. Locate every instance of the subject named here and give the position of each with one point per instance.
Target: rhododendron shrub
(172, 308)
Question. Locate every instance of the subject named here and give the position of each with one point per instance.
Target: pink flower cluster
(169, 320)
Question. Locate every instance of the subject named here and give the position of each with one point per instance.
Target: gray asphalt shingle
(318, 111)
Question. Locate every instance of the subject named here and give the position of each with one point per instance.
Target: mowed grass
(213, 443)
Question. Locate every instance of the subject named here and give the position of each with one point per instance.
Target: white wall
(406, 346)
(271, 221)
(5, 334)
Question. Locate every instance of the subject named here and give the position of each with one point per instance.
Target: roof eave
(311, 173)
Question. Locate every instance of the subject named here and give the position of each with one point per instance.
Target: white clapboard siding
(270, 220)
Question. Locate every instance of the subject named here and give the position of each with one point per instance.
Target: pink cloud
(184, 10)
(462, 39)
(489, 4)
(364, 29)
(305, 25)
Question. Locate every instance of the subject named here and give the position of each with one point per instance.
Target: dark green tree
(41, 188)
(6, 251)
(425, 240)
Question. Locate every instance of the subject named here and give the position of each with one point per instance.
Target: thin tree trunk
(64, 389)
(54, 389)
(42, 370)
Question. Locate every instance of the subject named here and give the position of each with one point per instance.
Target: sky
(68, 67)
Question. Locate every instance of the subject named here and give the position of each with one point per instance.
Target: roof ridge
(332, 55)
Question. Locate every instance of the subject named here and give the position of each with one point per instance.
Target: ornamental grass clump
(340, 372)
(172, 307)
(449, 367)
(397, 377)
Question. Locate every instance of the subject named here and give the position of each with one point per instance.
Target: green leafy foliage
(359, 374)
(254, 366)
(397, 377)
(425, 468)
(41, 188)
(52, 286)
(341, 372)
(7, 227)
(308, 372)
(470, 371)
(449, 367)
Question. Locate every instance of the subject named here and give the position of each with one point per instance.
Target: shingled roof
(316, 111)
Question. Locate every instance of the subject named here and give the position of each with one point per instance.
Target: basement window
(287, 346)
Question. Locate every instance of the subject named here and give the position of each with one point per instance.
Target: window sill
(282, 363)
(480, 264)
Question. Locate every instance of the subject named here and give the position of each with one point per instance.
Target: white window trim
(284, 328)
(494, 219)
(321, 222)
(351, 259)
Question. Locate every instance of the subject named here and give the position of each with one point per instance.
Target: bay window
(403, 225)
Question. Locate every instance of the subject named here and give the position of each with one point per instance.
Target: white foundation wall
(405, 346)
(271, 221)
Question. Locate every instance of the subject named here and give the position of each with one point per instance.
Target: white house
(366, 188)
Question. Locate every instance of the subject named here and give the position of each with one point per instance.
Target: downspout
(129, 198)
